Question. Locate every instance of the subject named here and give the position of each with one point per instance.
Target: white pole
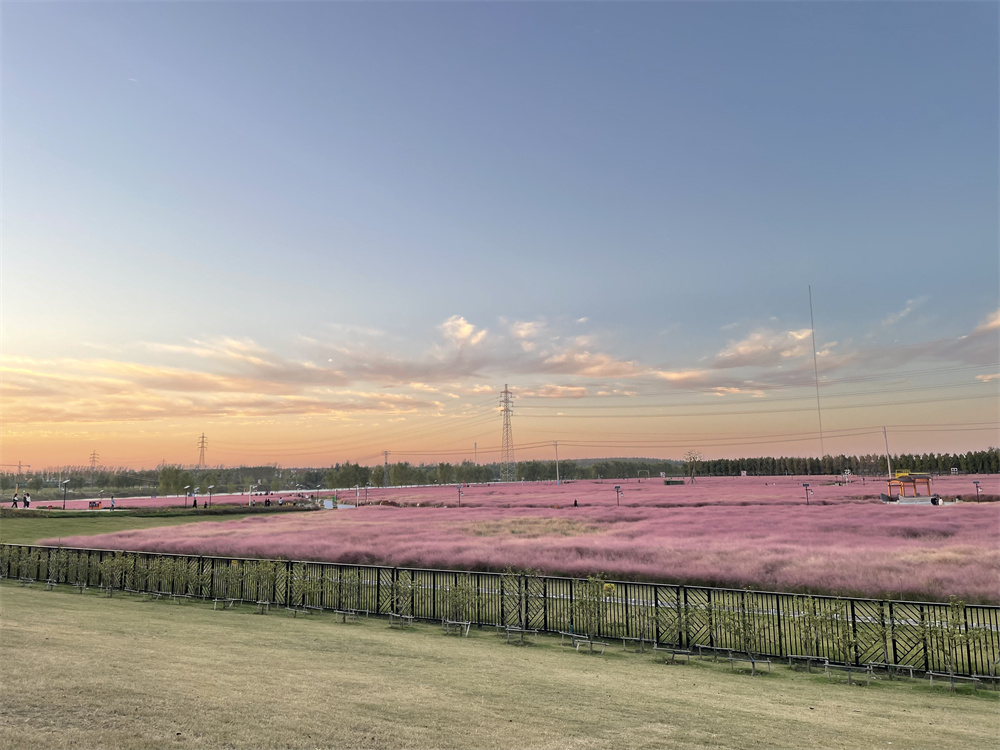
(556, 444)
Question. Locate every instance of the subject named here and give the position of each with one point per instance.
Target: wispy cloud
(555, 391)
(458, 365)
(911, 305)
(765, 347)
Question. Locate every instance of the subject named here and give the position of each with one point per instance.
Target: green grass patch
(80, 670)
(28, 526)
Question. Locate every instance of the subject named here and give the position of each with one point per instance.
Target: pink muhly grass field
(751, 535)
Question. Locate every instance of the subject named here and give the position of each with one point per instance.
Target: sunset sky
(317, 231)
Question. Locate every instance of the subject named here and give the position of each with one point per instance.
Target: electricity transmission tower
(385, 469)
(93, 465)
(202, 444)
(508, 469)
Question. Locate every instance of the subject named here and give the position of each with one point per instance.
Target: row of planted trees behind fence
(947, 636)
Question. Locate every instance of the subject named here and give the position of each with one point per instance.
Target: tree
(691, 460)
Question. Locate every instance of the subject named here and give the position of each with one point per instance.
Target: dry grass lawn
(81, 671)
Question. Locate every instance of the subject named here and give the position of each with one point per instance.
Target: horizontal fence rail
(928, 636)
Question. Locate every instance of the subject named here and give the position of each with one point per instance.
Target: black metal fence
(929, 636)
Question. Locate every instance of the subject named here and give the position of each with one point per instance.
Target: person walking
(27, 499)
(112, 502)
(15, 501)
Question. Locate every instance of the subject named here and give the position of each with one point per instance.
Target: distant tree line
(172, 480)
(973, 462)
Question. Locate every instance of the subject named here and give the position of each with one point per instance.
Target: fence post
(854, 635)
(892, 627)
(522, 601)
(479, 600)
(545, 604)
(923, 639)
(711, 618)
(968, 648)
(687, 619)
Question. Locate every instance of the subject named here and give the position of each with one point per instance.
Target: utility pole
(475, 453)
(556, 444)
(508, 469)
(202, 444)
(888, 461)
(385, 469)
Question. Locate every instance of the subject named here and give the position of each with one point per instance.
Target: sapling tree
(160, 571)
(6, 554)
(73, 574)
(298, 579)
(952, 635)
(311, 586)
(740, 622)
(840, 630)
(348, 590)
(458, 599)
(199, 578)
(401, 596)
(83, 568)
(181, 576)
(29, 563)
(521, 599)
(810, 623)
(230, 580)
(58, 565)
(261, 575)
(876, 634)
(590, 606)
(112, 571)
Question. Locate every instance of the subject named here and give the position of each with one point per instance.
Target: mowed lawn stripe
(30, 530)
(84, 671)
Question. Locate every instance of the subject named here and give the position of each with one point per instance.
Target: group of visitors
(27, 500)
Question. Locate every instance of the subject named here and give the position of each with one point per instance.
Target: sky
(313, 232)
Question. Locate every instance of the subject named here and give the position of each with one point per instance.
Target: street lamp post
(367, 485)
(186, 488)
(64, 483)
(978, 490)
(195, 493)
(618, 494)
(210, 488)
(806, 485)
(459, 496)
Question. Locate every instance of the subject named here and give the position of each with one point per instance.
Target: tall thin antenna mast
(508, 469)
(819, 413)
(385, 469)
(556, 444)
(888, 461)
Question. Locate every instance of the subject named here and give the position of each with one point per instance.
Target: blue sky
(342, 227)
